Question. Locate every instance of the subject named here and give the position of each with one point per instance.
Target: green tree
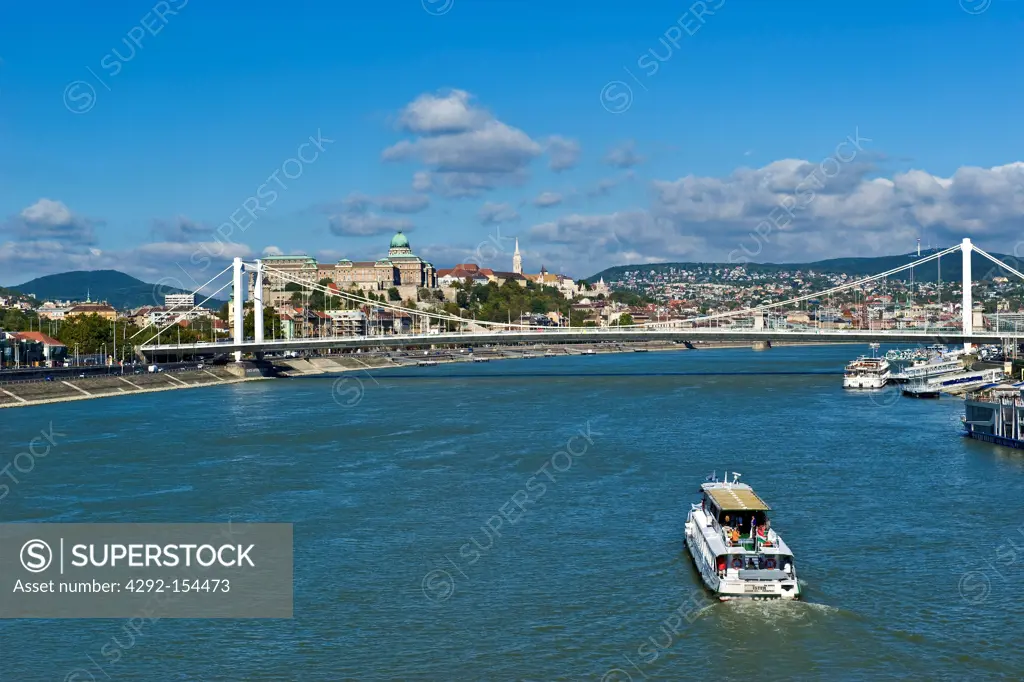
(625, 319)
(271, 324)
(394, 295)
(17, 320)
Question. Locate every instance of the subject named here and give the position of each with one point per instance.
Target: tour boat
(737, 553)
(865, 372)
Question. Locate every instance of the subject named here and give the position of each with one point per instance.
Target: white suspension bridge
(758, 324)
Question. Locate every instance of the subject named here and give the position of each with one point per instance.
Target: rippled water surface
(413, 559)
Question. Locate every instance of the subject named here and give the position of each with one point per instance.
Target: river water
(442, 531)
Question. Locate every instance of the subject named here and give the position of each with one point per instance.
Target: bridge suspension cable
(999, 263)
(193, 308)
(348, 296)
(805, 297)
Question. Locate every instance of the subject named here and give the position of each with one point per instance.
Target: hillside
(118, 289)
(981, 267)
(17, 295)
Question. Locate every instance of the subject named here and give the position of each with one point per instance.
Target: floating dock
(995, 414)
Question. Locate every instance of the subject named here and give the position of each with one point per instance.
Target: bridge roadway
(951, 337)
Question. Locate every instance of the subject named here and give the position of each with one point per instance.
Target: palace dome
(399, 241)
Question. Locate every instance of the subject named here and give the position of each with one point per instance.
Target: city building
(34, 349)
(410, 269)
(281, 270)
(161, 315)
(348, 322)
(53, 311)
(501, 277)
(180, 301)
(449, 277)
(401, 268)
(375, 275)
(104, 310)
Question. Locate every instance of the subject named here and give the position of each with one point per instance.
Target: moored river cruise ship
(866, 372)
(738, 554)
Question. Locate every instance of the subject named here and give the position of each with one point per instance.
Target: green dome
(399, 241)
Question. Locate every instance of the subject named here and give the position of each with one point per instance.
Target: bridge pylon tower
(967, 304)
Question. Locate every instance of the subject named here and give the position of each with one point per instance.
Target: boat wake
(778, 614)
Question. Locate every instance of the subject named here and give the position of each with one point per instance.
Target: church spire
(517, 260)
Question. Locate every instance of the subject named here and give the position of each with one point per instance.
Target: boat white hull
(866, 381)
(731, 586)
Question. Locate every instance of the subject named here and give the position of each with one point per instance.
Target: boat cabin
(735, 510)
(752, 550)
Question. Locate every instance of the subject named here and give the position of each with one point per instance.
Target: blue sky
(454, 119)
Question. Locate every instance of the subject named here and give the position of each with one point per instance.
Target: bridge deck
(589, 336)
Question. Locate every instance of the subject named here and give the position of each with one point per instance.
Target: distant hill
(116, 288)
(981, 267)
(11, 293)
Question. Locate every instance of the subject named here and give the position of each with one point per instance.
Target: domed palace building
(410, 269)
(401, 268)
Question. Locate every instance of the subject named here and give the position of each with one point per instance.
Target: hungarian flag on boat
(762, 535)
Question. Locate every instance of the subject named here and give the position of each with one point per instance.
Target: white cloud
(397, 203)
(273, 251)
(365, 224)
(605, 186)
(466, 149)
(189, 264)
(48, 219)
(47, 212)
(355, 216)
(441, 114)
(623, 155)
(547, 199)
(493, 148)
(836, 210)
(564, 153)
(493, 213)
(409, 203)
(181, 229)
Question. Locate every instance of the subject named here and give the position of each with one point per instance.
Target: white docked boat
(924, 369)
(865, 372)
(734, 547)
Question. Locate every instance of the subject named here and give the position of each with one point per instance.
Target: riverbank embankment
(29, 393)
(24, 393)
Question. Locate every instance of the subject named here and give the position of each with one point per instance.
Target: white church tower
(517, 260)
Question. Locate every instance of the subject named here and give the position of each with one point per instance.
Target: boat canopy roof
(736, 498)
